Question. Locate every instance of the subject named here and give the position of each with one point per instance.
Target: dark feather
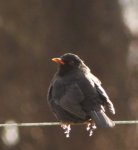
(71, 101)
(101, 119)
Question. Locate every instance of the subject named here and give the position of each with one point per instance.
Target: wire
(126, 122)
(59, 123)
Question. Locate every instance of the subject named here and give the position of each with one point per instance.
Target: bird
(75, 95)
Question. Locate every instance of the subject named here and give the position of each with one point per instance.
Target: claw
(90, 127)
(67, 129)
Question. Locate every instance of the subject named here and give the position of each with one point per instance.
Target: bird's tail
(101, 119)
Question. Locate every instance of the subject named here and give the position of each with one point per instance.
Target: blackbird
(75, 95)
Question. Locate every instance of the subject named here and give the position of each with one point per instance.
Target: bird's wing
(71, 101)
(103, 94)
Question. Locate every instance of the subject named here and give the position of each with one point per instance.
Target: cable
(126, 122)
(59, 123)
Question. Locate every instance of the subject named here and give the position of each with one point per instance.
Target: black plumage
(76, 95)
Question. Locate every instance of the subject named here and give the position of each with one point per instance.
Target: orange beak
(58, 60)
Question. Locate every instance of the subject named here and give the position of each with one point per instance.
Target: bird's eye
(71, 62)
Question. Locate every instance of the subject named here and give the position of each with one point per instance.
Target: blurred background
(103, 33)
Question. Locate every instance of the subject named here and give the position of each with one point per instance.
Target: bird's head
(68, 62)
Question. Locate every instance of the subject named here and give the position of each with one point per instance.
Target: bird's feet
(90, 127)
(67, 128)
